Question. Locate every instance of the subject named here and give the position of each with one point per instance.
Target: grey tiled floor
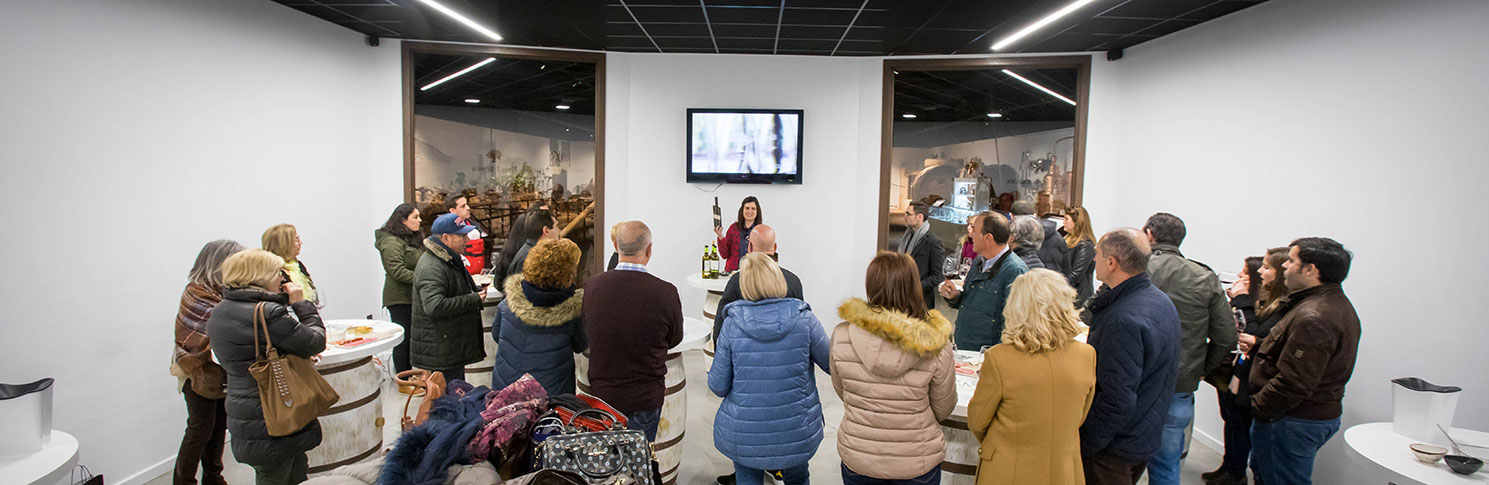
(701, 462)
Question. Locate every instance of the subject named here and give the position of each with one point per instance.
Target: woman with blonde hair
(284, 241)
(540, 325)
(1035, 388)
(771, 417)
(1080, 259)
(892, 366)
(254, 277)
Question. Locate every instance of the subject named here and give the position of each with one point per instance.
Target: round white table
(1389, 455)
(55, 460)
(352, 429)
(673, 425)
(713, 291)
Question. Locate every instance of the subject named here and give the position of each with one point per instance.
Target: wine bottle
(705, 262)
(714, 261)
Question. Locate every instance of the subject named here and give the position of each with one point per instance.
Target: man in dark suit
(925, 248)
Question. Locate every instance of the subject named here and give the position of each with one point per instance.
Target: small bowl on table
(1427, 453)
(1463, 465)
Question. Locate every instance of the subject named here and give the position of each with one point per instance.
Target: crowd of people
(1048, 407)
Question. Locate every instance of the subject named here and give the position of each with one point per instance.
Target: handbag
(291, 392)
(433, 386)
(614, 456)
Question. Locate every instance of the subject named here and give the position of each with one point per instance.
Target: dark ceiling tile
(1216, 10)
(744, 15)
(819, 17)
(684, 13)
(676, 30)
(746, 44)
(803, 32)
(801, 45)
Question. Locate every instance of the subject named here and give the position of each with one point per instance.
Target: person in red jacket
(736, 243)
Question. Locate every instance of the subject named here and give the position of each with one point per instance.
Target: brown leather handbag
(291, 392)
(430, 384)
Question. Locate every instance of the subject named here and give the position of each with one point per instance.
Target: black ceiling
(798, 27)
(971, 95)
(520, 84)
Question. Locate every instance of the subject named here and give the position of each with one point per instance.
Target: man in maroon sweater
(632, 319)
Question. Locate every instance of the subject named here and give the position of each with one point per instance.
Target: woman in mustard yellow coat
(1035, 388)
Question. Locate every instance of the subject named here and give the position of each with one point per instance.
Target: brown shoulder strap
(260, 320)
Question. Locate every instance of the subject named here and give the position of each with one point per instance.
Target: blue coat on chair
(537, 337)
(771, 417)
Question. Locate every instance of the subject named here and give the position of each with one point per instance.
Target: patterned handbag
(615, 456)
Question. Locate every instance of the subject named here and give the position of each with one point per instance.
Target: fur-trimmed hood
(438, 249)
(919, 338)
(538, 316)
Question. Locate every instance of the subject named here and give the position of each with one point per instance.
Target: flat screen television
(751, 146)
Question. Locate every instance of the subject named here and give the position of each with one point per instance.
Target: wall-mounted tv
(751, 146)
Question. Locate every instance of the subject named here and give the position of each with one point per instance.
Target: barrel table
(713, 291)
(672, 427)
(352, 429)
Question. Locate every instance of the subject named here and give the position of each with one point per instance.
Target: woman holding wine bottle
(736, 242)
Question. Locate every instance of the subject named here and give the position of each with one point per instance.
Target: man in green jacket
(446, 332)
(979, 319)
(1208, 331)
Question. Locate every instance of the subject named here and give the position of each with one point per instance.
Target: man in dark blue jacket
(1135, 330)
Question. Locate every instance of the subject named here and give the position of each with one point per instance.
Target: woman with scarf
(198, 376)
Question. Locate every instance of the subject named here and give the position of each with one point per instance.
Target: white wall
(1293, 119)
(137, 131)
(825, 226)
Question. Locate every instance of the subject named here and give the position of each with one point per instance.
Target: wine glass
(949, 267)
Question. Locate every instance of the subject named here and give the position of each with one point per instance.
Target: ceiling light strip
(458, 74)
(1048, 19)
(1037, 86)
(462, 19)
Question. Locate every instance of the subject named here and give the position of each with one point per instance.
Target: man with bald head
(632, 319)
(1135, 330)
(762, 240)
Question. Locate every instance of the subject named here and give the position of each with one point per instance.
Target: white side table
(51, 464)
(1389, 454)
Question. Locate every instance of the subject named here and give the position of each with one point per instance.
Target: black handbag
(615, 456)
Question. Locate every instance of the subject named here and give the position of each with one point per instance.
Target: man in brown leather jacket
(1302, 366)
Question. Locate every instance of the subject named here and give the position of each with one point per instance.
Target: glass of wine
(949, 268)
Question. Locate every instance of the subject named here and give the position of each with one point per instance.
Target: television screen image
(743, 145)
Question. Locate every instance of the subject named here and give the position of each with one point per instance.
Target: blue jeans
(645, 422)
(1282, 451)
(797, 475)
(1163, 468)
(851, 477)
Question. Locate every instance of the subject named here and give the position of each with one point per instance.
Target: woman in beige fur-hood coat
(897, 381)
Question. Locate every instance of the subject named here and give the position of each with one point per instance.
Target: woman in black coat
(1260, 300)
(252, 277)
(1080, 259)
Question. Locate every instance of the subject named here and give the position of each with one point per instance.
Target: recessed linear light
(1048, 19)
(1037, 86)
(995, 115)
(561, 106)
(462, 19)
(472, 100)
(458, 74)
(908, 116)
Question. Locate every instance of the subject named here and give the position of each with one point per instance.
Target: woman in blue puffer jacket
(539, 326)
(771, 418)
